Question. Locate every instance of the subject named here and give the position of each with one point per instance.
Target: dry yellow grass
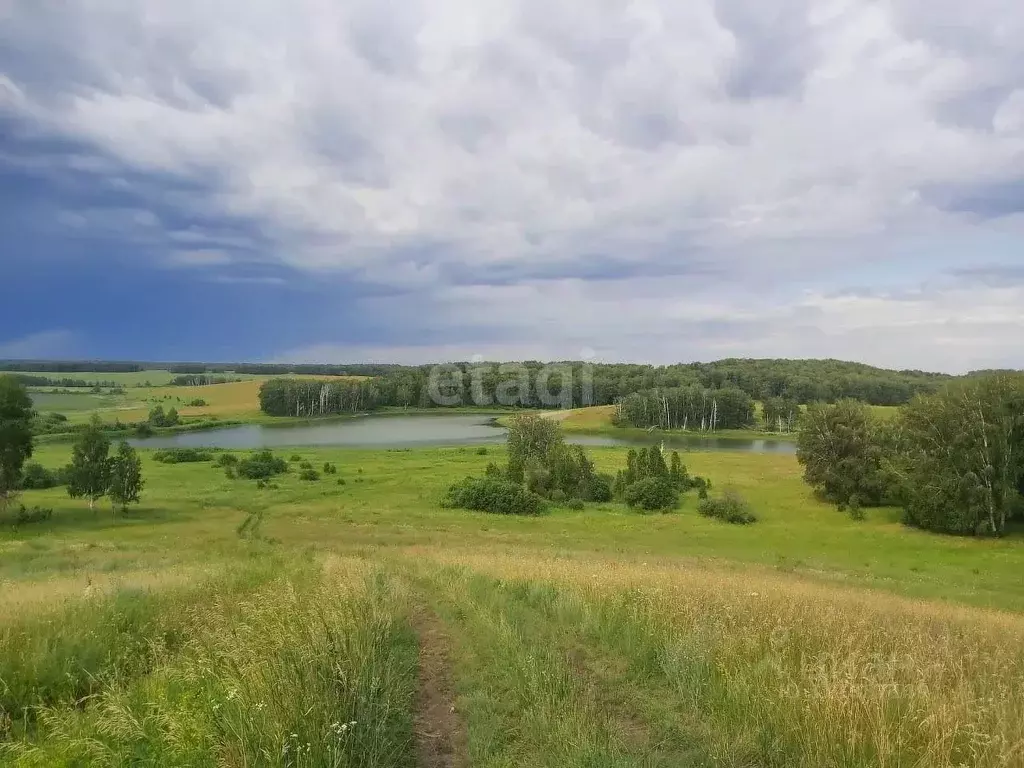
(831, 675)
(21, 598)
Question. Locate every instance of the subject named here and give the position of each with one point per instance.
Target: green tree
(677, 472)
(530, 437)
(15, 435)
(961, 457)
(656, 466)
(89, 471)
(125, 476)
(157, 417)
(840, 457)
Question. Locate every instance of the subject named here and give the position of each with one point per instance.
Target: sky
(650, 181)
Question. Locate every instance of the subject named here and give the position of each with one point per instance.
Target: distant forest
(795, 381)
(722, 391)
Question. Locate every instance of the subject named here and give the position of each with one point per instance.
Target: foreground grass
(594, 638)
(592, 663)
(279, 666)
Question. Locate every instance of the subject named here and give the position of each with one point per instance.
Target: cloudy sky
(654, 181)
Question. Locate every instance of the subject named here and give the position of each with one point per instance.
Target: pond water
(412, 431)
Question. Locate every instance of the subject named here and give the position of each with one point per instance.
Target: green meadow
(352, 620)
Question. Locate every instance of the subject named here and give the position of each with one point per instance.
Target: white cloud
(201, 257)
(493, 142)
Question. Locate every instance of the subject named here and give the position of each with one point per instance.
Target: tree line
(800, 381)
(952, 460)
(783, 385)
(690, 408)
(63, 382)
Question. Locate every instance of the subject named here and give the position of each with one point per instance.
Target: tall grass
(306, 669)
(765, 671)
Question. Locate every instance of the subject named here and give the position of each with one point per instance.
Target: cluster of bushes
(49, 423)
(648, 483)
(494, 494)
(730, 507)
(182, 455)
(160, 418)
(197, 403)
(36, 477)
(261, 465)
(28, 515)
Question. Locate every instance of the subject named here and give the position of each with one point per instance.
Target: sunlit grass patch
(307, 667)
(766, 669)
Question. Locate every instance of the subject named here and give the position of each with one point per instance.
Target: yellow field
(233, 400)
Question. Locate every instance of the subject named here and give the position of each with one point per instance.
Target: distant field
(154, 377)
(233, 400)
(49, 402)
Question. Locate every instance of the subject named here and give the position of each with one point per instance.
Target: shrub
(341, 481)
(295, 457)
(652, 493)
(262, 464)
(309, 474)
(28, 515)
(482, 451)
(261, 483)
(229, 472)
(37, 477)
(493, 470)
(558, 496)
(197, 403)
(537, 476)
(730, 507)
(330, 469)
(598, 488)
(576, 505)
(488, 494)
(305, 465)
(182, 455)
(144, 430)
(227, 460)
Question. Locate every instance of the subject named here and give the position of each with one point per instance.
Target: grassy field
(359, 623)
(235, 401)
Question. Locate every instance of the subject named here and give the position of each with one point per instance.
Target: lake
(413, 431)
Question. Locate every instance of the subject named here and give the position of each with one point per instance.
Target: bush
(652, 493)
(488, 494)
(27, 515)
(305, 465)
(227, 460)
(37, 477)
(229, 472)
(330, 469)
(493, 470)
(576, 505)
(558, 496)
(598, 488)
(182, 455)
(144, 430)
(309, 474)
(482, 451)
(295, 457)
(262, 464)
(341, 481)
(197, 403)
(730, 507)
